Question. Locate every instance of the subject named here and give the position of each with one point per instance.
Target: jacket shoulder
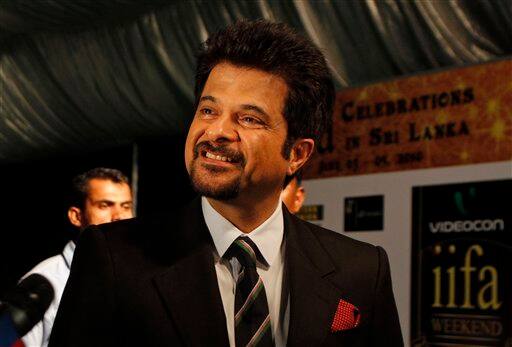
(130, 231)
(335, 241)
(141, 243)
(360, 261)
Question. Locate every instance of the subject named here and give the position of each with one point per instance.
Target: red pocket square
(347, 317)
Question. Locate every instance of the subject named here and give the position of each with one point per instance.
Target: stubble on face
(202, 176)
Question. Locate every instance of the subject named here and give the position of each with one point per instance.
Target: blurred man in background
(293, 194)
(100, 195)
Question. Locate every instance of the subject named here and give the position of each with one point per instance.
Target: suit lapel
(313, 298)
(189, 288)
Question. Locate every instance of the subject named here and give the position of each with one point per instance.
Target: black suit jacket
(139, 283)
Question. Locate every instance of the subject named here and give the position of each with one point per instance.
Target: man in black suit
(263, 96)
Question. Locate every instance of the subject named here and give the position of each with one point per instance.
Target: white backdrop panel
(396, 238)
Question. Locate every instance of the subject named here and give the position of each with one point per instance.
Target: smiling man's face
(235, 142)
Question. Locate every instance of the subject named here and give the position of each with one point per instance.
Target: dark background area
(163, 179)
(33, 198)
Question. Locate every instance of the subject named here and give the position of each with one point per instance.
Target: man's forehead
(106, 187)
(245, 87)
(100, 181)
(230, 72)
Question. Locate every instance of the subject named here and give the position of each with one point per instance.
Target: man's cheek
(98, 216)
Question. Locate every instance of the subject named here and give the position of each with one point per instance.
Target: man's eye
(207, 111)
(250, 121)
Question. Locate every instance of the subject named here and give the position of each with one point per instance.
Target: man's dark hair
(277, 49)
(297, 175)
(80, 183)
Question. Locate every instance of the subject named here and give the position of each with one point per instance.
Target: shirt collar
(268, 236)
(68, 251)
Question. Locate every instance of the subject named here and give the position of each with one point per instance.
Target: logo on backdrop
(364, 213)
(465, 201)
(462, 243)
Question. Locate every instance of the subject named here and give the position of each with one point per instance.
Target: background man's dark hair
(275, 48)
(297, 175)
(80, 183)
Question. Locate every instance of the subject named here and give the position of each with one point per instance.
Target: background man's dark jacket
(139, 283)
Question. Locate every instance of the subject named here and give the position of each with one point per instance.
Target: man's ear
(301, 151)
(75, 216)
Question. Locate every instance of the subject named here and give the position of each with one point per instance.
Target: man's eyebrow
(247, 107)
(102, 201)
(112, 202)
(256, 109)
(208, 98)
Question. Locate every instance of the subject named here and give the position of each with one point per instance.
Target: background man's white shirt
(56, 270)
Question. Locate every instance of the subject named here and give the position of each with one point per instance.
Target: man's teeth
(218, 157)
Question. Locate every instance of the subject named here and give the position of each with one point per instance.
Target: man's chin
(223, 193)
(211, 188)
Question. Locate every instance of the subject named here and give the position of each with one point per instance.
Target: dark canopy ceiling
(82, 75)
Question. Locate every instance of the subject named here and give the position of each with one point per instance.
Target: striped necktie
(252, 319)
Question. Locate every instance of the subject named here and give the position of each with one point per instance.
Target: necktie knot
(245, 251)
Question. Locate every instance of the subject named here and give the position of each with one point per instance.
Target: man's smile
(216, 157)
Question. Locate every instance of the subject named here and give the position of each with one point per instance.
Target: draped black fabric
(79, 75)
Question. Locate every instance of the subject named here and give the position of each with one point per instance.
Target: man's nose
(223, 128)
(116, 213)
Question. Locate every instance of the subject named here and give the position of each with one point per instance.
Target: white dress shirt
(56, 270)
(269, 239)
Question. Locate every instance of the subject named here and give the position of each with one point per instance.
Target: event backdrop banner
(454, 117)
(462, 265)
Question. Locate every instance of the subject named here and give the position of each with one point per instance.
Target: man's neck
(246, 215)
